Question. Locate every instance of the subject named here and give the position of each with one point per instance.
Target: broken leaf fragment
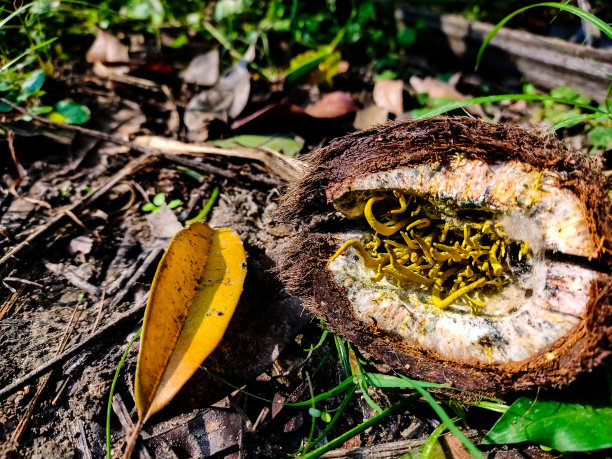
(194, 294)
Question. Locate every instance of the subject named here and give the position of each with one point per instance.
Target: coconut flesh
(533, 300)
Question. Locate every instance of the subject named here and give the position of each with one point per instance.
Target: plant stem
(358, 429)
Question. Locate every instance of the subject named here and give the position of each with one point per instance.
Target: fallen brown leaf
(389, 94)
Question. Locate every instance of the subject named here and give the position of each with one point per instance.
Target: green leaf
(72, 112)
(33, 83)
(446, 420)
(326, 417)
(149, 207)
(174, 203)
(601, 137)
(554, 424)
(227, 8)
(601, 25)
(159, 199)
(387, 75)
(56, 117)
(11, 97)
(5, 84)
(302, 64)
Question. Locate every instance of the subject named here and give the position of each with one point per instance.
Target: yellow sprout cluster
(454, 262)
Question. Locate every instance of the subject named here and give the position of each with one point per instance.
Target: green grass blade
(576, 120)
(338, 441)
(17, 12)
(601, 25)
(112, 392)
(345, 401)
(345, 385)
(433, 438)
(26, 52)
(342, 355)
(500, 98)
(313, 422)
(340, 388)
(447, 420)
(209, 205)
(320, 343)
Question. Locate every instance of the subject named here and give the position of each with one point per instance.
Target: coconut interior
(455, 254)
(464, 279)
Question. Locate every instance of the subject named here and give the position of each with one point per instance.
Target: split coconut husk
(456, 251)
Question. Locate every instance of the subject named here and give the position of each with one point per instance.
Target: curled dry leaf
(107, 48)
(470, 254)
(194, 294)
(370, 116)
(389, 94)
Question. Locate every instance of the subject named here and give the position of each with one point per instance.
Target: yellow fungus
(538, 183)
(378, 226)
(368, 260)
(429, 251)
(402, 202)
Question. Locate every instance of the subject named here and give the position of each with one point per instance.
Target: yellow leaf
(193, 297)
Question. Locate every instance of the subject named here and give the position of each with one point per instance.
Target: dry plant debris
(457, 251)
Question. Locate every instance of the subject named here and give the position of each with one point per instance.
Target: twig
(387, 450)
(21, 172)
(84, 446)
(99, 315)
(286, 168)
(81, 130)
(23, 281)
(69, 273)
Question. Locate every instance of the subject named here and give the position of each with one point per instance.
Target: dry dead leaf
(333, 105)
(203, 69)
(439, 90)
(370, 116)
(194, 294)
(435, 88)
(107, 49)
(228, 97)
(389, 94)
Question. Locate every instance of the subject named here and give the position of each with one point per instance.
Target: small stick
(23, 281)
(99, 315)
(21, 172)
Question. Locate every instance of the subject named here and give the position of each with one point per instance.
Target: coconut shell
(305, 260)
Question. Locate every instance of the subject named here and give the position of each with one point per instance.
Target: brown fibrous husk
(304, 258)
